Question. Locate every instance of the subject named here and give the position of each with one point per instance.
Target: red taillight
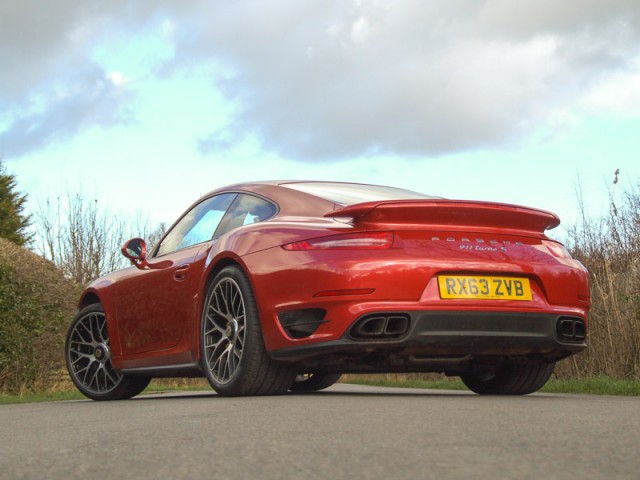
(348, 241)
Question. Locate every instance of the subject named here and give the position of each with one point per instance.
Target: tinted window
(246, 209)
(198, 225)
(350, 193)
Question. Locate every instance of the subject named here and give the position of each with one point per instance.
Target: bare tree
(156, 235)
(82, 237)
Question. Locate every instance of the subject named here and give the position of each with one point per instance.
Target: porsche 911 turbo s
(270, 287)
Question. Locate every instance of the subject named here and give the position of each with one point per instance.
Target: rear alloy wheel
(313, 382)
(234, 358)
(510, 379)
(88, 357)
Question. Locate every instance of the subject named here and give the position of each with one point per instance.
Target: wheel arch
(105, 299)
(220, 265)
(217, 265)
(256, 373)
(88, 298)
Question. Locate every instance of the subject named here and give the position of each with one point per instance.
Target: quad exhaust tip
(380, 327)
(571, 329)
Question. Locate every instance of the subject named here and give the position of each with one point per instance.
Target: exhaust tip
(572, 329)
(376, 327)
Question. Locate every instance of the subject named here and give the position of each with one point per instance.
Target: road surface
(348, 431)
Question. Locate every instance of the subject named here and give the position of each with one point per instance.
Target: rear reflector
(349, 241)
(340, 293)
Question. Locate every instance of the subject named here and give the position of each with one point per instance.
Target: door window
(197, 225)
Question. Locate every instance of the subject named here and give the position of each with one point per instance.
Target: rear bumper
(348, 284)
(435, 334)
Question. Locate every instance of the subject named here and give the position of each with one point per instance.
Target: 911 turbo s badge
(482, 248)
(479, 244)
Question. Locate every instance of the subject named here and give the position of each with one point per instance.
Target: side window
(197, 225)
(246, 209)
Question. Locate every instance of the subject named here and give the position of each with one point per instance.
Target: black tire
(88, 359)
(313, 382)
(510, 379)
(234, 358)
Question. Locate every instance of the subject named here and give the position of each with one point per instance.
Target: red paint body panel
(154, 314)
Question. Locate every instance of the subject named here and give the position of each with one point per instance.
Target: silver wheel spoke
(82, 331)
(94, 379)
(234, 303)
(217, 311)
(104, 336)
(214, 326)
(82, 358)
(83, 344)
(213, 354)
(92, 321)
(225, 294)
(80, 354)
(109, 376)
(231, 360)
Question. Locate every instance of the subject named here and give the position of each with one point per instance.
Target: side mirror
(136, 251)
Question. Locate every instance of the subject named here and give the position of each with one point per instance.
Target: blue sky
(148, 106)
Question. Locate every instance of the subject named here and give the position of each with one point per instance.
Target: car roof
(317, 197)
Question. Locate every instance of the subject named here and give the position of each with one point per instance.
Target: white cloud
(60, 113)
(168, 29)
(337, 78)
(409, 78)
(617, 94)
(360, 30)
(118, 79)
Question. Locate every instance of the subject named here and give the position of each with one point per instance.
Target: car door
(154, 306)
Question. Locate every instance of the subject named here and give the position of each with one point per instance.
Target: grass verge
(594, 385)
(6, 399)
(70, 393)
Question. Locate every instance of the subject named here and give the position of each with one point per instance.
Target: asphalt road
(346, 432)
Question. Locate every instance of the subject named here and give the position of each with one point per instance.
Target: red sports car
(271, 287)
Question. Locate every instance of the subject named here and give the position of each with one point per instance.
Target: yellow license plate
(484, 287)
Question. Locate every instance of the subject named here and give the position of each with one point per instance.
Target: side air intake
(302, 323)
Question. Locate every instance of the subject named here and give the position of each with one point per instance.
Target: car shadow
(177, 395)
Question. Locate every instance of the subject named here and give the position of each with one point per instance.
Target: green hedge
(36, 305)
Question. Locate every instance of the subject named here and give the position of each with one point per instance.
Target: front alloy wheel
(88, 358)
(234, 358)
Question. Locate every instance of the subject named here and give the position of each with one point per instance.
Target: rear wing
(449, 214)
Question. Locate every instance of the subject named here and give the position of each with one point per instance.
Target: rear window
(352, 193)
(244, 210)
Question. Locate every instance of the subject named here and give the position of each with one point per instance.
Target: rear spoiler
(445, 214)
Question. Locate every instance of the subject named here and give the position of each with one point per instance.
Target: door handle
(180, 274)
